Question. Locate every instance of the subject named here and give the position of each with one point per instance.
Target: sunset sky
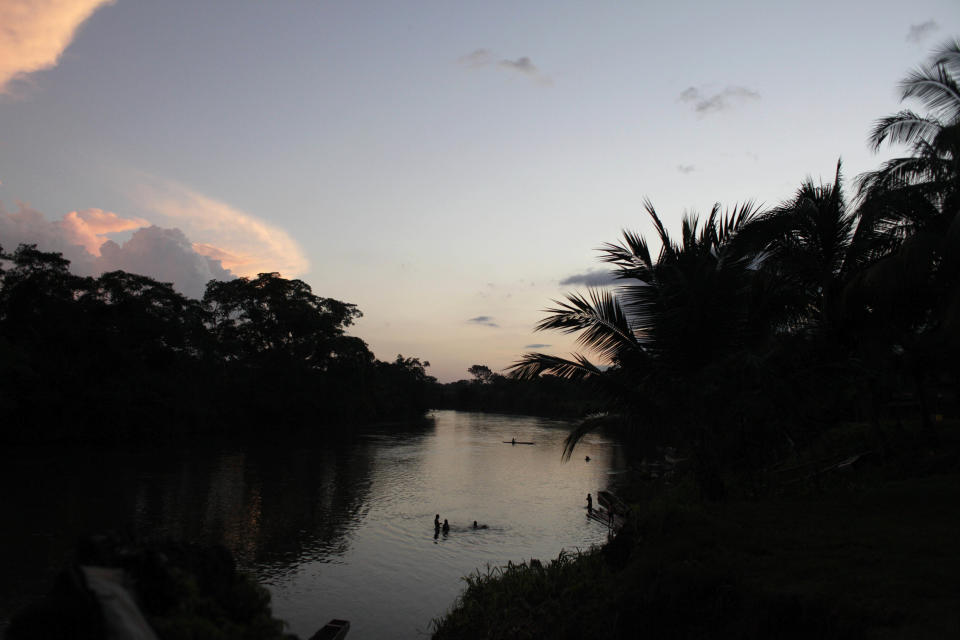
(449, 167)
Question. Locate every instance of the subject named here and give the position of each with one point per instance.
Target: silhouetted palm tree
(810, 247)
(933, 167)
(913, 203)
(665, 337)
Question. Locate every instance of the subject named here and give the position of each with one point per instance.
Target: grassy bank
(870, 552)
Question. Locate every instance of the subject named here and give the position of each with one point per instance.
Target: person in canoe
(479, 526)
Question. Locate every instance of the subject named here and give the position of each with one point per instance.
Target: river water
(332, 529)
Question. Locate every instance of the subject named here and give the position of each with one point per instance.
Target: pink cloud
(34, 33)
(216, 253)
(166, 255)
(243, 243)
(89, 227)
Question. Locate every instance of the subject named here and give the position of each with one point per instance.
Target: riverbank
(868, 553)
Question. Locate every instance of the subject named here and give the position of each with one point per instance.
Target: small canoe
(334, 630)
(517, 442)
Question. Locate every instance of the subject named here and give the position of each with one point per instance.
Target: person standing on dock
(589, 504)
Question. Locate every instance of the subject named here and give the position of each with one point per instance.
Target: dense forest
(545, 395)
(124, 357)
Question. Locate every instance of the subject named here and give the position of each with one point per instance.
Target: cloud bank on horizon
(236, 243)
(83, 238)
(35, 33)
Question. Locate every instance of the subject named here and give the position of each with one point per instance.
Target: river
(339, 529)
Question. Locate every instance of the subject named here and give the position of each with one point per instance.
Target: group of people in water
(445, 527)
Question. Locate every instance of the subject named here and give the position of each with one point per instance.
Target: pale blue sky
(361, 147)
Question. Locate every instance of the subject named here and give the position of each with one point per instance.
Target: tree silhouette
(481, 373)
(255, 356)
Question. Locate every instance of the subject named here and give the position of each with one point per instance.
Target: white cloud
(34, 33)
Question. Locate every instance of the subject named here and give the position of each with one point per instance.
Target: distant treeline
(122, 357)
(546, 395)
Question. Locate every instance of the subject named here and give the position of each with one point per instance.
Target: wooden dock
(611, 512)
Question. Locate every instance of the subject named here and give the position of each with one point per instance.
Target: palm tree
(815, 253)
(913, 202)
(933, 167)
(667, 334)
(811, 246)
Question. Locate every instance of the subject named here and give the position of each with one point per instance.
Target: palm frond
(886, 218)
(936, 88)
(577, 433)
(688, 233)
(533, 365)
(603, 326)
(667, 249)
(901, 172)
(735, 219)
(948, 57)
(634, 253)
(709, 240)
(903, 127)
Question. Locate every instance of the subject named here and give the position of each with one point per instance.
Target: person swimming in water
(446, 527)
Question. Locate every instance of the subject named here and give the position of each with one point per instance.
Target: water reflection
(334, 529)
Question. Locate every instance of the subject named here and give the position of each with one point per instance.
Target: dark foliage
(184, 591)
(124, 357)
(548, 395)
